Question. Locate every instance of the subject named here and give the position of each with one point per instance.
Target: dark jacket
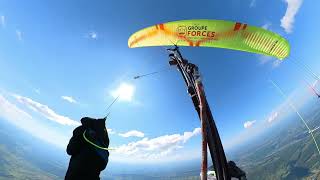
(87, 161)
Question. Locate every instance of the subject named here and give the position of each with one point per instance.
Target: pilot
(88, 148)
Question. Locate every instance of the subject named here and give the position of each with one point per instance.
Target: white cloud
(69, 99)
(37, 91)
(133, 133)
(288, 19)
(45, 111)
(252, 3)
(3, 21)
(266, 26)
(92, 35)
(19, 35)
(276, 63)
(10, 111)
(278, 113)
(249, 124)
(124, 91)
(111, 131)
(155, 148)
(273, 117)
(263, 59)
(23, 120)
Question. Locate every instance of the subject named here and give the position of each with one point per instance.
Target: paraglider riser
(189, 72)
(191, 76)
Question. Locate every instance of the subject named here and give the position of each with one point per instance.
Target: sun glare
(124, 91)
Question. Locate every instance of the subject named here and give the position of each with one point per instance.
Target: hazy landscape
(289, 153)
(25, 157)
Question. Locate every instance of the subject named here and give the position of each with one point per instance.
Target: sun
(125, 92)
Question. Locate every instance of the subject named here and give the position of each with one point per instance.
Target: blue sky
(60, 61)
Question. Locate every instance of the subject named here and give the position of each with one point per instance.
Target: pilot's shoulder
(79, 130)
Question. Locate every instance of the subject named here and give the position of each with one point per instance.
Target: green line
(95, 145)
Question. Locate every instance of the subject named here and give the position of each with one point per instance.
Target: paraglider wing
(212, 33)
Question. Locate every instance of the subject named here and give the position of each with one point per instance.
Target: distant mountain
(288, 153)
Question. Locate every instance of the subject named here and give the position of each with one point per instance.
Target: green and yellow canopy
(213, 33)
